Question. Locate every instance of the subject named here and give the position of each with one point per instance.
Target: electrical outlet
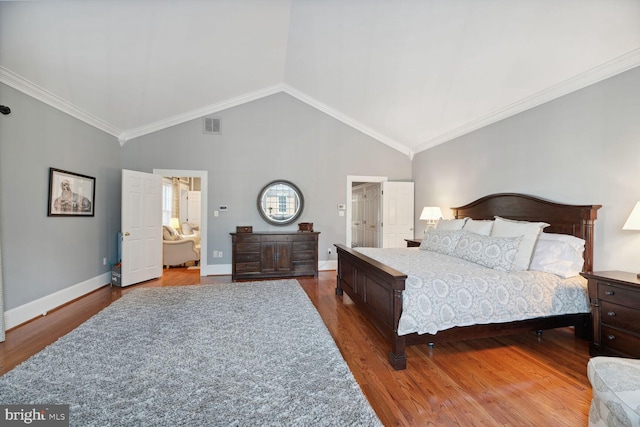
(215, 254)
(220, 254)
(104, 261)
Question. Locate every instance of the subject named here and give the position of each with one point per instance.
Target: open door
(141, 220)
(397, 213)
(193, 207)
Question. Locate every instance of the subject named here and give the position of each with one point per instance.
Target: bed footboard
(377, 290)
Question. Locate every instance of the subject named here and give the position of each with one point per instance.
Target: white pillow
(529, 232)
(441, 241)
(493, 252)
(451, 224)
(482, 227)
(560, 254)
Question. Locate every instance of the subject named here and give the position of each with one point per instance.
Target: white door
(357, 218)
(141, 227)
(372, 215)
(397, 213)
(193, 209)
(184, 203)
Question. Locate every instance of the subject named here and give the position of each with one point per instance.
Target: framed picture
(71, 194)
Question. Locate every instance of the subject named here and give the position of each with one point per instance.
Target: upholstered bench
(616, 391)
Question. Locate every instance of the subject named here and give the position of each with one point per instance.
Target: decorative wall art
(71, 194)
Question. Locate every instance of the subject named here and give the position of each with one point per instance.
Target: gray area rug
(241, 354)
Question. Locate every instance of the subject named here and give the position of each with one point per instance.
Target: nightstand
(413, 243)
(615, 310)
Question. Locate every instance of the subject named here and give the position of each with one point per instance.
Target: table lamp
(633, 222)
(175, 223)
(430, 214)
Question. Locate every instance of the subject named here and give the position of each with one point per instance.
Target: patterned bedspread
(442, 291)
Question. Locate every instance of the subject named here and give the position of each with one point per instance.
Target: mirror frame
(266, 217)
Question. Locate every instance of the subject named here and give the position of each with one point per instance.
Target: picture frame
(71, 194)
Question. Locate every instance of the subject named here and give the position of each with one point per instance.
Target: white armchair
(189, 230)
(179, 249)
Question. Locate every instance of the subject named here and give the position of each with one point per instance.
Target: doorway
(359, 181)
(391, 212)
(202, 175)
(366, 215)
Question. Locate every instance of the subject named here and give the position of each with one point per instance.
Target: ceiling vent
(212, 125)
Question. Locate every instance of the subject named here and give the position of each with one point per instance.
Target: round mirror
(280, 202)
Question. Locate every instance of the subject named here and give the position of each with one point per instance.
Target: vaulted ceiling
(411, 73)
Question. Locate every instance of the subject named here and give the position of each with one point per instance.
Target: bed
(377, 289)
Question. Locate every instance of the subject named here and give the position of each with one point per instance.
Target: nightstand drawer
(619, 316)
(615, 339)
(618, 295)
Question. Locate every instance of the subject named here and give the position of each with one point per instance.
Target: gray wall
(40, 254)
(583, 148)
(272, 138)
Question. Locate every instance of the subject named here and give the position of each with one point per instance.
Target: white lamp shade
(175, 223)
(430, 213)
(633, 222)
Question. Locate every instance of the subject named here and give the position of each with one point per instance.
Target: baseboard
(216, 269)
(225, 269)
(327, 265)
(40, 307)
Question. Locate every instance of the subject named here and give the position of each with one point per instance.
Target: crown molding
(31, 89)
(608, 69)
(200, 112)
(347, 120)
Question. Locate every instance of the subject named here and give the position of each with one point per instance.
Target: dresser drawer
(247, 238)
(308, 267)
(304, 246)
(618, 340)
(247, 247)
(620, 316)
(304, 256)
(248, 257)
(302, 237)
(276, 238)
(618, 295)
(247, 267)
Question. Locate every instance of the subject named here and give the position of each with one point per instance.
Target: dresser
(615, 309)
(261, 255)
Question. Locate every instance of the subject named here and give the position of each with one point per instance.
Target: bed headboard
(565, 219)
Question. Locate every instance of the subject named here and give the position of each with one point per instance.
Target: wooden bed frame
(377, 288)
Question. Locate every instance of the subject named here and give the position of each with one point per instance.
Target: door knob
(126, 233)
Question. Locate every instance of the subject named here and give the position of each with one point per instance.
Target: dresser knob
(609, 293)
(611, 337)
(611, 313)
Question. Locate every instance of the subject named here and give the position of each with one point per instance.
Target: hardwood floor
(521, 380)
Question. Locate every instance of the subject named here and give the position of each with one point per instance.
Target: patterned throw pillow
(529, 232)
(493, 252)
(170, 233)
(441, 241)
